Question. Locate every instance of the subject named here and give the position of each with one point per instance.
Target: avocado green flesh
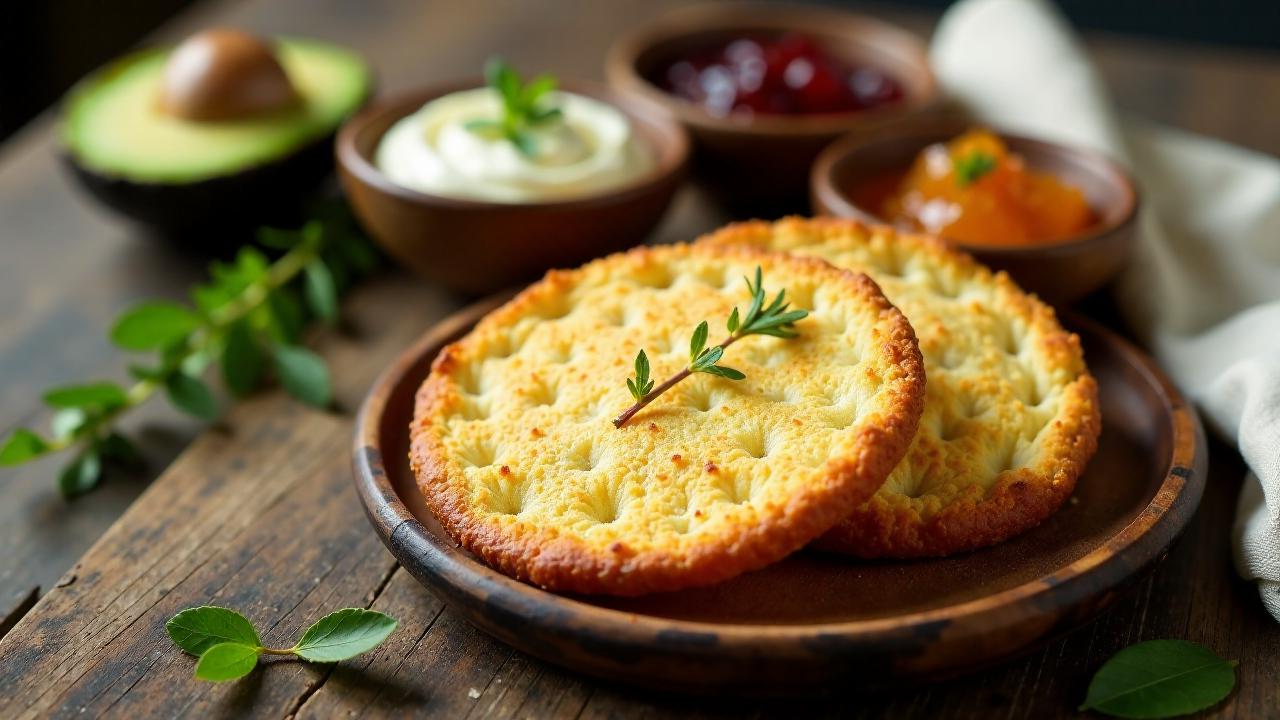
(113, 124)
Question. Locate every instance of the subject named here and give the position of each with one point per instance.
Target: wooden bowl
(816, 622)
(759, 166)
(1059, 272)
(479, 246)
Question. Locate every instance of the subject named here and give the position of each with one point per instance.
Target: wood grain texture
(69, 267)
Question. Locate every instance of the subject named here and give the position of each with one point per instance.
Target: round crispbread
(1011, 413)
(514, 448)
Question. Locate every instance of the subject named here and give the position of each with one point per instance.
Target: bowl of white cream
(439, 183)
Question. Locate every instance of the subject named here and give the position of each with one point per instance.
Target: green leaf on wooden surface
(82, 475)
(197, 629)
(21, 446)
(242, 360)
(120, 449)
(104, 395)
(1160, 679)
(321, 292)
(67, 422)
(191, 395)
(227, 661)
(303, 374)
(153, 324)
(344, 634)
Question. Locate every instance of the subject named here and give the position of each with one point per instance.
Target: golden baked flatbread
(514, 448)
(1011, 412)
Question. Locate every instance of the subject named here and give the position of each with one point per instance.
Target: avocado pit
(224, 74)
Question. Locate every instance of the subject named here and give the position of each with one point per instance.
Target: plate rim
(1134, 547)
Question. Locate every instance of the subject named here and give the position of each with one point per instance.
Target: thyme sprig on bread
(775, 319)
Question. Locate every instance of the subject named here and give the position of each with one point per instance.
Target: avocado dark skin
(222, 209)
(220, 75)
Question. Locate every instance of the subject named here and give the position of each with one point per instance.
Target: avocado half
(203, 177)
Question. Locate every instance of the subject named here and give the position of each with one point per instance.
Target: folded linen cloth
(1204, 286)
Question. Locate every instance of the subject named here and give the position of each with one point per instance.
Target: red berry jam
(787, 75)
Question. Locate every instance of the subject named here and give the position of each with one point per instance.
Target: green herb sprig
(523, 107)
(228, 645)
(1160, 679)
(249, 318)
(775, 320)
(970, 168)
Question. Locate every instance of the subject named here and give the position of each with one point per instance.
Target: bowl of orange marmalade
(1059, 219)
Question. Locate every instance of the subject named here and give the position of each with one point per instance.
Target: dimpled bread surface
(1011, 413)
(514, 448)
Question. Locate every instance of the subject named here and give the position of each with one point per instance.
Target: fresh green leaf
(1160, 679)
(67, 422)
(524, 143)
(242, 360)
(488, 129)
(227, 661)
(725, 372)
(344, 634)
(152, 324)
(537, 88)
(120, 449)
(197, 629)
(707, 358)
(733, 322)
(82, 475)
(103, 395)
(303, 374)
(544, 116)
(286, 319)
(642, 367)
(21, 446)
(191, 395)
(698, 341)
(970, 168)
(321, 293)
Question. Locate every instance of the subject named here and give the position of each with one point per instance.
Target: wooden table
(258, 512)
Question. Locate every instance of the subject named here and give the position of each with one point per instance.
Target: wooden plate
(813, 621)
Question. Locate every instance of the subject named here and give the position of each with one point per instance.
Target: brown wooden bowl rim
(1125, 553)
(621, 65)
(670, 159)
(823, 187)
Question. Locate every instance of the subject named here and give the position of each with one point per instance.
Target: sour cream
(590, 150)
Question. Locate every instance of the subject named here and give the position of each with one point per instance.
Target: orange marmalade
(973, 190)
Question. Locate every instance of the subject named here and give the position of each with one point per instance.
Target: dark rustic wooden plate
(813, 621)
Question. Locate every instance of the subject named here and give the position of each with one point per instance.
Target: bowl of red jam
(1059, 219)
(763, 88)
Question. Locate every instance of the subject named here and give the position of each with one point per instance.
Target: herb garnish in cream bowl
(478, 188)
(513, 142)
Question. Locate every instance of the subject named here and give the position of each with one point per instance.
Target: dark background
(46, 45)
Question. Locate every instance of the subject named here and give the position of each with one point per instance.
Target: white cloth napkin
(1204, 286)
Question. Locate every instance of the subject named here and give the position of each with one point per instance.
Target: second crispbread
(515, 451)
(1011, 413)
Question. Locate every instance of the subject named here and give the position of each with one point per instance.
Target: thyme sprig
(775, 319)
(249, 318)
(523, 108)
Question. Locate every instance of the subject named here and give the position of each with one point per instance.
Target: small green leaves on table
(343, 634)
(249, 316)
(1160, 679)
(154, 324)
(228, 645)
(775, 320)
(22, 446)
(303, 374)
